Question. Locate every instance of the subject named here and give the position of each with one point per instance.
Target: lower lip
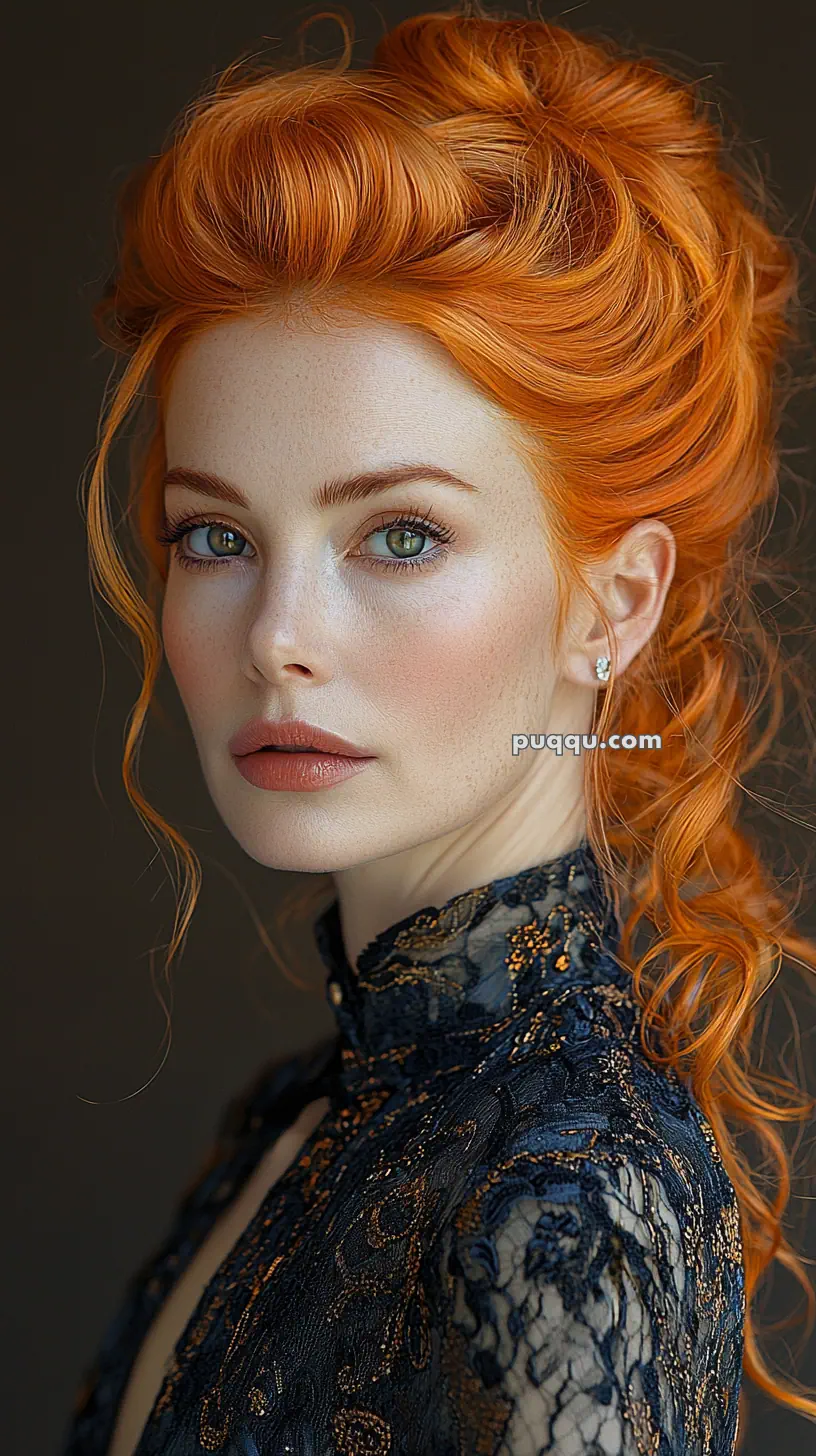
(303, 771)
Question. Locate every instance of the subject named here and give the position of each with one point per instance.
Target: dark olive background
(94, 1164)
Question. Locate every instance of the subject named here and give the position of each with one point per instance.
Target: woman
(462, 370)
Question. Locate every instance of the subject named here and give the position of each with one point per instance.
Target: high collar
(487, 955)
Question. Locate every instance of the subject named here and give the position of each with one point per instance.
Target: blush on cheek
(467, 657)
(198, 660)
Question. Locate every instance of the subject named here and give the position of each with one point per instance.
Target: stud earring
(602, 666)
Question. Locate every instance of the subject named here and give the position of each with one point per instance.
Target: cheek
(195, 644)
(474, 653)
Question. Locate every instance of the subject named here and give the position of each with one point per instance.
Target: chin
(315, 856)
(307, 833)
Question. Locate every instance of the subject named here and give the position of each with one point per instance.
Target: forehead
(314, 398)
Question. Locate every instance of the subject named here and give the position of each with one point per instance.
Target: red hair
(561, 218)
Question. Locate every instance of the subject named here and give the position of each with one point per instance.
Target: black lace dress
(511, 1233)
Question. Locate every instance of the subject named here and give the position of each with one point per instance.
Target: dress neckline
(459, 970)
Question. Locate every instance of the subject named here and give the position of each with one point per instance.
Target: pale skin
(431, 670)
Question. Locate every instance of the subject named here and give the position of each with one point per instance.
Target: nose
(288, 635)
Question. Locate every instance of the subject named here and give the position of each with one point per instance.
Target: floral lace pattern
(511, 1234)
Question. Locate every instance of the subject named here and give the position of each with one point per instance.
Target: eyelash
(177, 528)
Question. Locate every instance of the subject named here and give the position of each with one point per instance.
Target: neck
(375, 895)
(453, 981)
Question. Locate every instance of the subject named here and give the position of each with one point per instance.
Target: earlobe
(588, 667)
(632, 589)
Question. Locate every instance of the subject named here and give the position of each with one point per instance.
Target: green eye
(404, 540)
(221, 539)
(218, 537)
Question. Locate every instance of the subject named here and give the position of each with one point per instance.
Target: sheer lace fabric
(511, 1234)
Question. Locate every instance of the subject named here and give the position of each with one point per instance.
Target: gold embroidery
(361, 1433)
(398, 1188)
(258, 1401)
(640, 1419)
(481, 1415)
(213, 1429)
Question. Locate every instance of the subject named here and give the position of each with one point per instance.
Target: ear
(631, 582)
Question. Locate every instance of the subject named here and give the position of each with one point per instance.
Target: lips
(301, 771)
(288, 748)
(291, 735)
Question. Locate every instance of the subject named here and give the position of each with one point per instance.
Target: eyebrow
(338, 491)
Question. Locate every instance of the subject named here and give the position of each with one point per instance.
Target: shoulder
(615, 1137)
(275, 1092)
(267, 1104)
(577, 1099)
(596, 1262)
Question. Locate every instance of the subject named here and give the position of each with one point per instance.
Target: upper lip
(291, 732)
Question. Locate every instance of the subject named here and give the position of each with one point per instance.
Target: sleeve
(571, 1329)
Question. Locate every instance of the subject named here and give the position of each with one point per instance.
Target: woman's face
(314, 610)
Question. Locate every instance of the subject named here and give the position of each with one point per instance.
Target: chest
(156, 1351)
